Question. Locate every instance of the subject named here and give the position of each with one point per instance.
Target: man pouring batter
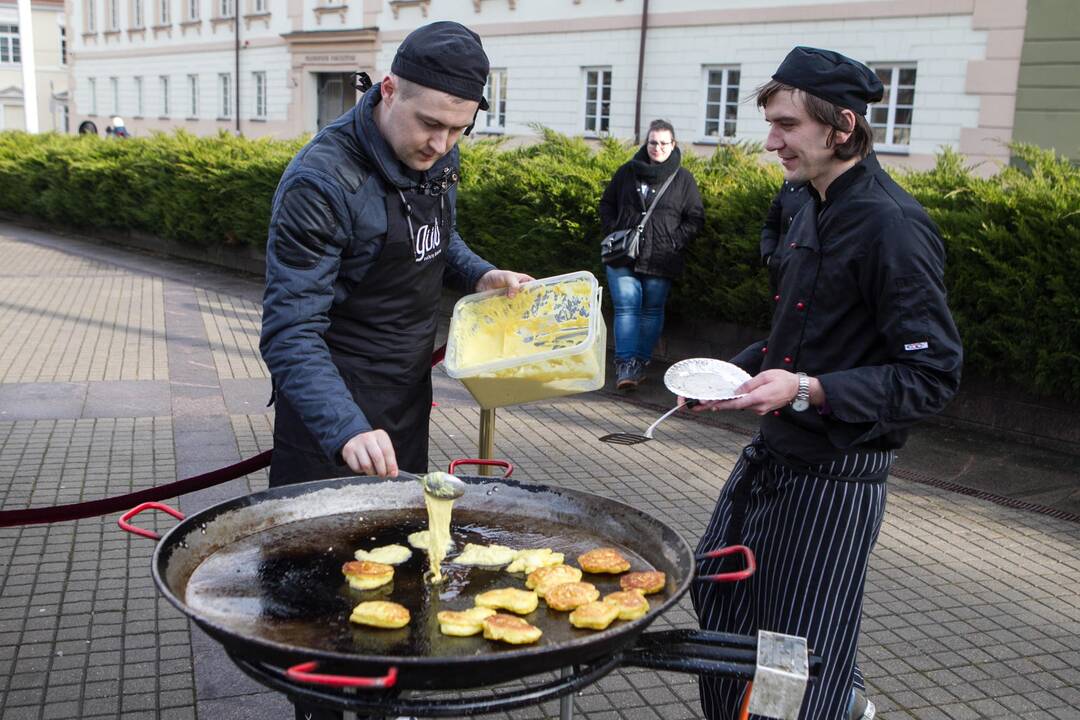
(861, 346)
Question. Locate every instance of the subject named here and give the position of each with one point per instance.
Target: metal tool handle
(303, 673)
(669, 413)
(505, 464)
(750, 569)
(125, 525)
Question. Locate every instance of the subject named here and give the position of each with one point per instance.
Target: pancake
(380, 614)
(648, 582)
(387, 554)
(594, 615)
(485, 555)
(463, 624)
(604, 560)
(567, 596)
(631, 603)
(365, 575)
(545, 578)
(420, 539)
(529, 560)
(517, 601)
(510, 629)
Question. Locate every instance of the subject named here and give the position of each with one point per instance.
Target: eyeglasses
(657, 143)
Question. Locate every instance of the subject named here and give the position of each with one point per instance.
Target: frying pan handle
(505, 464)
(303, 673)
(125, 525)
(751, 564)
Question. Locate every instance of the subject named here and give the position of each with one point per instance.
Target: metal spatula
(634, 438)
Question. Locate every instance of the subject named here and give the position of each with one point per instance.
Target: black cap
(444, 56)
(830, 76)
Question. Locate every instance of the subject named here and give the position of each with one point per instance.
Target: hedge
(1013, 240)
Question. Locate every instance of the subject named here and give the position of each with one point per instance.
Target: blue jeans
(639, 311)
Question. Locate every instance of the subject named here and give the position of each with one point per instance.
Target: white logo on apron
(428, 242)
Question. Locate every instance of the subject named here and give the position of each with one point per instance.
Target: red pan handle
(751, 564)
(505, 464)
(303, 673)
(125, 525)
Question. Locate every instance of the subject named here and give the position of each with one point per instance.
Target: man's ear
(841, 136)
(388, 89)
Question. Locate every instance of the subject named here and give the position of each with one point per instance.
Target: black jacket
(861, 306)
(677, 219)
(782, 212)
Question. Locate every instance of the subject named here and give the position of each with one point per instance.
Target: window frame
(90, 16)
(225, 104)
(497, 101)
(63, 46)
(13, 44)
(163, 85)
(601, 70)
(889, 101)
(192, 10)
(164, 8)
(260, 106)
(138, 95)
(725, 85)
(114, 14)
(193, 96)
(114, 91)
(92, 83)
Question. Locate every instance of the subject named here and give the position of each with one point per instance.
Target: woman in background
(639, 288)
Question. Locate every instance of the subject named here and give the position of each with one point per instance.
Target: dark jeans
(639, 311)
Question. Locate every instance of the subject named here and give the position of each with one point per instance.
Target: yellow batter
(538, 320)
(439, 534)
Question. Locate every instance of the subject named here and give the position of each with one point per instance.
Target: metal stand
(566, 702)
(487, 438)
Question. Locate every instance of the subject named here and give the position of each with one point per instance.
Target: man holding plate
(861, 346)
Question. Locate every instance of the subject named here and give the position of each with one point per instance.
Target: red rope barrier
(105, 506)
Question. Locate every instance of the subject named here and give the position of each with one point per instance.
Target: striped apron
(812, 529)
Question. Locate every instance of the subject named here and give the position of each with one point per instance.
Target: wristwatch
(801, 400)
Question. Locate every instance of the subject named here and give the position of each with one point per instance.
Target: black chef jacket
(860, 304)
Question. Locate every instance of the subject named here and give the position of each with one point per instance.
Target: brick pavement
(119, 371)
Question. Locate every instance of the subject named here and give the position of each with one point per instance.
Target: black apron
(380, 339)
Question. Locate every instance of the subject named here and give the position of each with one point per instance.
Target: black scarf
(654, 173)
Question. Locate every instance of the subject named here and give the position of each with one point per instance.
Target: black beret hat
(444, 56)
(830, 76)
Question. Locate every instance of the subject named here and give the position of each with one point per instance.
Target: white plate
(705, 379)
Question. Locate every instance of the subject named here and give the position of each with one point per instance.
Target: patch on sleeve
(916, 346)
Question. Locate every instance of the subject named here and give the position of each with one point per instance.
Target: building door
(336, 95)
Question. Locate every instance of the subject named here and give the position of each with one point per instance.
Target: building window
(260, 94)
(193, 93)
(137, 13)
(226, 8)
(138, 97)
(114, 92)
(163, 82)
(597, 100)
(495, 93)
(721, 101)
(225, 85)
(63, 46)
(193, 9)
(891, 118)
(92, 86)
(165, 12)
(91, 17)
(9, 44)
(114, 14)
(260, 6)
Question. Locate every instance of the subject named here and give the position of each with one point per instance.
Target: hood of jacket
(378, 151)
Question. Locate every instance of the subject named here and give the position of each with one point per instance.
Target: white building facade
(51, 45)
(950, 66)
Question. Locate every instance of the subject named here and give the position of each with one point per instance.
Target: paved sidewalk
(120, 371)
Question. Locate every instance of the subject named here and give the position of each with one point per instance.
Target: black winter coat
(676, 221)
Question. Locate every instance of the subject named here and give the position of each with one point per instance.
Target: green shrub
(1013, 240)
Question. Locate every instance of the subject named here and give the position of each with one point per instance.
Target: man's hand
(766, 391)
(371, 453)
(508, 279)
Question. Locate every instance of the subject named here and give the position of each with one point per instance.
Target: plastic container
(547, 341)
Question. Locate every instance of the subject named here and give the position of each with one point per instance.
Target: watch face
(800, 405)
